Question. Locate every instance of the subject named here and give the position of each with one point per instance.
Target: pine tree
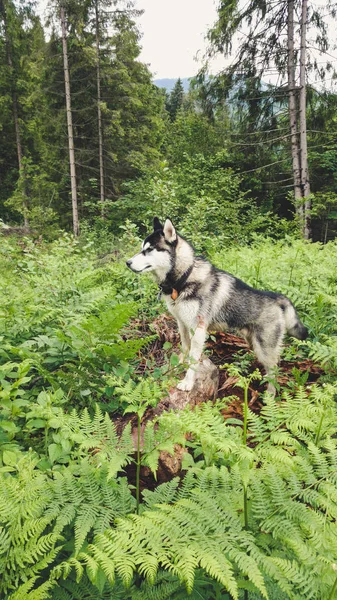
(175, 100)
(305, 185)
(270, 43)
(12, 20)
(35, 183)
(294, 140)
(117, 112)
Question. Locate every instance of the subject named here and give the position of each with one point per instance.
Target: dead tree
(76, 227)
(305, 185)
(99, 112)
(295, 151)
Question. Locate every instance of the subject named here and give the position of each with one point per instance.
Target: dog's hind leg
(267, 344)
(197, 344)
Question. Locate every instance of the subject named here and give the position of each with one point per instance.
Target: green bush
(203, 197)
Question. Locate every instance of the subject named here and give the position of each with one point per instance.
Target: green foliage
(203, 197)
(254, 510)
(289, 472)
(175, 100)
(132, 110)
(47, 514)
(66, 316)
(227, 127)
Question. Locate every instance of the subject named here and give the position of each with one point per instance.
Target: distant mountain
(170, 83)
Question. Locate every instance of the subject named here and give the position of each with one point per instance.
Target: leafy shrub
(202, 196)
(62, 313)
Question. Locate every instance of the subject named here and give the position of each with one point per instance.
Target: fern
(325, 351)
(38, 513)
(292, 503)
(255, 511)
(25, 592)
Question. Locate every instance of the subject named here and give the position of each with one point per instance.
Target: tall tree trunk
(76, 227)
(305, 185)
(99, 113)
(22, 173)
(293, 114)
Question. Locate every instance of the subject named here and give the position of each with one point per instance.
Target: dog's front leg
(197, 344)
(185, 340)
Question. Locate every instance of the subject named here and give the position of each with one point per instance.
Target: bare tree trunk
(293, 114)
(22, 173)
(99, 114)
(305, 185)
(76, 227)
(20, 162)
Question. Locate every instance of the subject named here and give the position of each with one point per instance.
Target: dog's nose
(128, 262)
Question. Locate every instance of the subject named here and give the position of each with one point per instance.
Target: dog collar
(172, 287)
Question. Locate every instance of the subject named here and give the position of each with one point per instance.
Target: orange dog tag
(174, 294)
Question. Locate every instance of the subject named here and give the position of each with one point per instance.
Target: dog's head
(157, 250)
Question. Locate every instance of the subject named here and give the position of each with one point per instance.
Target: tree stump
(205, 388)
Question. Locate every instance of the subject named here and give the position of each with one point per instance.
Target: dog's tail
(294, 324)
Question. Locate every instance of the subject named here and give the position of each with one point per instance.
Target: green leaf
(36, 423)
(10, 458)
(174, 360)
(55, 452)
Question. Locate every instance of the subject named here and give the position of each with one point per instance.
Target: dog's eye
(147, 251)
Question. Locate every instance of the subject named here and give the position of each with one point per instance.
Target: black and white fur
(211, 299)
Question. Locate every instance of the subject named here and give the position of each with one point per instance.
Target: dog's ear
(169, 231)
(157, 224)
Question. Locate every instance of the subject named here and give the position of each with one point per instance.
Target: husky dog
(202, 297)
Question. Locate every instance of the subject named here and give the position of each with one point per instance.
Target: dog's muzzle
(129, 264)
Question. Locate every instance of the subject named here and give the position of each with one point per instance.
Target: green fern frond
(25, 591)
(85, 521)
(5, 541)
(165, 589)
(164, 493)
(91, 566)
(105, 563)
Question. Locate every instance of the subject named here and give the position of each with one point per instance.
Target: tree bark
(22, 173)
(99, 113)
(76, 227)
(305, 184)
(295, 153)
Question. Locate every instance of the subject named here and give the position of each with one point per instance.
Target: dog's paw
(187, 383)
(185, 386)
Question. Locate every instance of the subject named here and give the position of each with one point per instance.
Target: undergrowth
(253, 513)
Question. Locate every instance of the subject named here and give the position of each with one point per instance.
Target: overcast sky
(173, 34)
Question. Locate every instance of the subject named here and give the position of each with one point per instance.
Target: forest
(106, 492)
